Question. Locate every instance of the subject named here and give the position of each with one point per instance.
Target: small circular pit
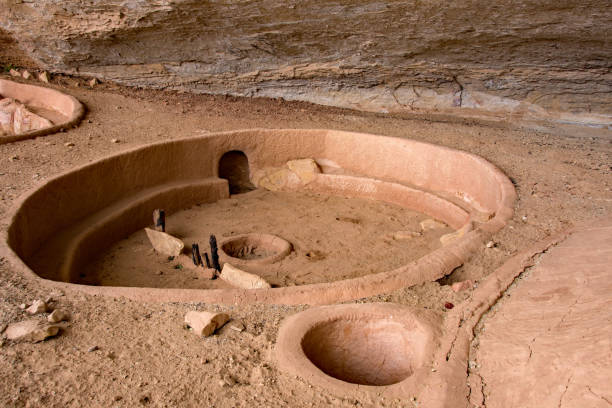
(254, 249)
(346, 348)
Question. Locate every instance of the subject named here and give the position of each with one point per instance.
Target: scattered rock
(69, 144)
(38, 306)
(93, 82)
(57, 316)
(31, 330)
(305, 169)
(236, 325)
(56, 294)
(430, 224)
(165, 243)
(14, 73)
(92, 349)
(26, 74)
(43, 77)
(402, 235)
(278, 180)
(461, 286)
(16, 118)
(242, 279)
(205, 323)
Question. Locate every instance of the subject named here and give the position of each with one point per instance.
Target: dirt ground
(142, 355)
(333, 238)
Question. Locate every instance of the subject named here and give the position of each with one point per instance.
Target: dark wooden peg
(159, 220)
(214, 252)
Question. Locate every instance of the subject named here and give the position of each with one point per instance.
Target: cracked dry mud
(145, 357)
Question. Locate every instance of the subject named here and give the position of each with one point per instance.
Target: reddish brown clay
(373, 348)
(65, 110)
(57, 227)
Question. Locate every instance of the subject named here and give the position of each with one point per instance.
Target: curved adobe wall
(45, 98)
(59, 225)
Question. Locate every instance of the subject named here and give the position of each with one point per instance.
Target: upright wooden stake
(159, 220)
(214, 251)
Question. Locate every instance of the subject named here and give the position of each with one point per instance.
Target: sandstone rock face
(529, 58)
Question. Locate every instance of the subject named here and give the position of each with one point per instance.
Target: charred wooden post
(159, 220)
(214, 252)
(195, 255)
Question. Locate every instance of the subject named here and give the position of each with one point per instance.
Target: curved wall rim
(181, 164)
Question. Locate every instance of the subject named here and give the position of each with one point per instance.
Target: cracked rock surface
(549, 336)
(538, 58)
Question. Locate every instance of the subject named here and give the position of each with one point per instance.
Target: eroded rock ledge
(530, 59)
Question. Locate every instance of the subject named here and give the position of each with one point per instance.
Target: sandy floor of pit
(333, 238)
(145, 357)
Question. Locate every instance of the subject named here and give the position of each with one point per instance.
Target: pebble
(13, 158)
(14, 73)
(69, 144)
(449, 305)
(23, 306)
(38, 306)
(237, 326)
(490, 244)
(26, 74)
(93, 82)
(92, 349)
(57, 316)
(114, 140)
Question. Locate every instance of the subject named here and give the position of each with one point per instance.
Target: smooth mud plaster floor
(144, 355)
(333, 238)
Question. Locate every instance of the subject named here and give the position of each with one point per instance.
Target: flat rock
(461, 286)
(305, 169)
(402, 235)
(31, 330)
(165, 243)
(431, 224)
(38, 306)
(205, 323)
(242, 279)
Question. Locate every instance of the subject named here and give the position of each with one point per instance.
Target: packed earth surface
(118, 352)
